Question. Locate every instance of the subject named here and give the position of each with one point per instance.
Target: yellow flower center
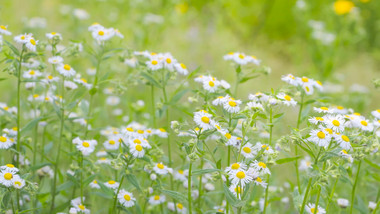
(232, 103)
(305, 79)
(3, 27)
(180, 206)
(162, 130)
(127, 197)
(139, 148)
(364, 123)
(258, 179)
(83, 80)
(324, 108)
(50, 77)
(180, 172)
(95, 182)
(307, 88)
(321, 135)
(262, 165)
(8, 176)
(111, 182)
(82, 207)
(345, 138)
(235, 166)
(342, 7)
(53, 33)
(330, 131)
(140, 131)
(10, 165)
(14, 128)
(101, 33)
(112, 142)
(335, 123)
(22, 37)
(3, 139)
(32, 42)
(241, 56)
(228, 135)
(18, 183)
(183, 66)
(287, 97)
(312, 210)
(340, 107)
(154, 62)
(205, 119)
(247, 150)
(66, 67)
(137, 141)
(211, 83)
(344, 151)
(129, 129)
(240, 175)
(86, 144)
(168, 60)
(160, 166)
(156, 197)
(319, 118)
(32, 72)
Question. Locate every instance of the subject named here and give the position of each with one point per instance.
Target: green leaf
(132, 179)
(175, 195)
(287, 160)
(230, 197)
(30, 125)
(204, 171)
(245, 79)
(178, 96)
(151, 79)
(13, 48)
(372, 164)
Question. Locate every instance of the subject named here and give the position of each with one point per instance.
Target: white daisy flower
(235, 167)
(6, 142)
(6, 177)
(31, 44)
(339, 110)
(154, 64)
(258, 97)
(180, 208)
(126, 198)
(290, 79)
(316, 120)
(78, 206)
(161, 132)
(83, 82)
(241, 58)
(210, 84)
(229, 56)
(236, 190)
(343, 141)
(286, 99)
(305, 164)
(137, 150)
(231, 105)
(112, 184)
(231, 140)
(320, 137)
(259, 181)
(181, 175)
(260, 167)
(157, 199)
(255, 105)
(161, 169)
(323, 110)
(85, 146)
(22, 39)
(342, 202)
(310, 208)
(70, 85)
(220, 100)
(132, 62)
(336, 123)
(111, 144)
(224, 84)
(94, 184)
(181, 68)
(103, 34)
(18, 182)
(53, 34)
(309, 90)
(32, 74)
(259, 147)
(247, 151)
(95, 26)
(4, 30)
(66, 70)
(55, 60)
(376, 113)
(11, 132)
(241, 177)
(365, 125)
(203, 120)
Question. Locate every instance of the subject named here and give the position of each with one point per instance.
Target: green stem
(306, 195)
(317, 202)
(354, 187)
(331, 194)
(62, 117)
(189, 187)
(153, 106)
(18, 145)
(266, 196)
(200, 186)
(81, 177)
(270, 125)
(117, 192)
(295, 145)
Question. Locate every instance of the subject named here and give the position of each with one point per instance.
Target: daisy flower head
(247, 151)
(94, 184)
(260, 167)
(137, 150)
(339, 110)
(240, 58)
(305, 164)
(181, 68)
(111, 144)
(168, 61)
(112, 184)
(161, 169)
(32, 74)
(323, 109)
(240, 177)
(53, 35)
(320, 137)
(290, 79)
(55, 60)
(66, 70)
(286, 99)
(18, 182)
(31, 44)
(6, 142)
(259, 97)
(309, 90)
(6, 177)
(259, 181)
(364, 125)
(4, 30)
(95, 26)
(376, 113)
(263, 147)
(203, 120)
(9, 167)
(118, 33)
(220, 100)
(157, 199)
(342, 202)
(229, 56)
(230, 139)
(231, 105)
(235, 167)
(103, 34)
(179, 207)
(336, 123)
(154, 63)
(343, 141)
(22, 38)
(316, 120)
(78, 206)
(181, 175)
(161, 132)
(236, 189)
(126, 198)
(85, 146)
(83, 82)
(210, 84)
(310, 208)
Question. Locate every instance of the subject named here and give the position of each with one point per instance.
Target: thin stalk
(295, 146)
(18, 145)
(306, 194)
(12, 203)
(117, 192)
(81, 177)
(153, 106)
(266, 196)
(56, 164)
(270, 142)
(317, 202)
(354, 187)
(189, 188)
(331, 194)
(200, 186)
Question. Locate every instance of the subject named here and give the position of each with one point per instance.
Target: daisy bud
(343, 203)
(193, 157)
(153, 177)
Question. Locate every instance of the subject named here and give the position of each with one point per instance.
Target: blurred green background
(200, 32)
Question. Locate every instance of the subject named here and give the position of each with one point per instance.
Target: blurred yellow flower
(182, 8)
(342, 7)
(365, 1)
